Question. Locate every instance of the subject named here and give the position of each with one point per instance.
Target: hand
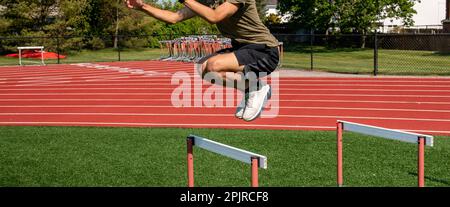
(138, 4)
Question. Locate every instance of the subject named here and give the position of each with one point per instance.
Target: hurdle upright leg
(255, 166)
(20, 57)
(421, 162)
(42, 56)
(190, 161)
(340, 177)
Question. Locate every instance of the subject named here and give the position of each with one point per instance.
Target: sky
(429, 12)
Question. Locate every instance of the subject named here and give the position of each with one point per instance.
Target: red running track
(138, 94)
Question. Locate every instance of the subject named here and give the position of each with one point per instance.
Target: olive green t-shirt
(244, 26)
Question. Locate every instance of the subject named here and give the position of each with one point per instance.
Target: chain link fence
(414, 54)
(75, 49)
(343, 53)
(378, 54)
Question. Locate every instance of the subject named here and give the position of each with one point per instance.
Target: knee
(214, 65)
(211, 66)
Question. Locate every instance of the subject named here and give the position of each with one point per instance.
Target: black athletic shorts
(257, 58)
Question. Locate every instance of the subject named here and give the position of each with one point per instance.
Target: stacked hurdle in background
(259, 161)
(192, 48)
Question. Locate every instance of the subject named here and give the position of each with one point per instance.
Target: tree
(349, 16)
(27, 14)
(195, 25)
(362, 16)
(93, 24)
(4, 23)
(308, 14)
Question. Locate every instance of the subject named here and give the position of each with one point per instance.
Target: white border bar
(228, 151)
(386, 133)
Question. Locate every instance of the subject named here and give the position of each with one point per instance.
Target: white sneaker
(241, 107)
(256, 102)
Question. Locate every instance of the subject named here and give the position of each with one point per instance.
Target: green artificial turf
(156, 157)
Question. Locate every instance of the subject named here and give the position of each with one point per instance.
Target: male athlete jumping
(254, 51)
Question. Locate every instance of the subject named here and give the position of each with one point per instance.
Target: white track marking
(225, 115)
(224, 107)
(173, 87)
(291, 100)
(283, 94)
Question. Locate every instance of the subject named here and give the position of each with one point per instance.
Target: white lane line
(66, 74)
(93, 69)
(46, 83)
(62, 74)
(153, 83)
(40, 79)
(323, 81)
(225, 107)
(218, 87)
(362, 80)
(206, 125)
(225, 115)
(136, 71)
(149, 81)
(282, 94)
(172, 124)
(157, 81)
(103, 78)
(69, 78)
(166, 68)
(282, 100)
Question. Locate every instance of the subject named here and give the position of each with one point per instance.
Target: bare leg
(217, 70)
(224, 69)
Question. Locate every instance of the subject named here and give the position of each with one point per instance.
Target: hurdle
(257, 161)
(398, 135)
(41, 48)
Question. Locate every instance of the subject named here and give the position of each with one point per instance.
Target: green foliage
(96, 43)
(27, 14)
(90, 24)
(349, 16)
(308, 13)
(195, 25)
(4, 24)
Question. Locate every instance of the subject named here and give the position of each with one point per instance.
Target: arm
(163, 15)
(213, 16)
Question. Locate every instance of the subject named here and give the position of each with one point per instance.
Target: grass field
(356, 61)
(105, 55)
(84, 156)
(360, 61)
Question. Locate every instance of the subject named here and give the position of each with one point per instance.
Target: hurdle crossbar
(256, 160)
(392, 134)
